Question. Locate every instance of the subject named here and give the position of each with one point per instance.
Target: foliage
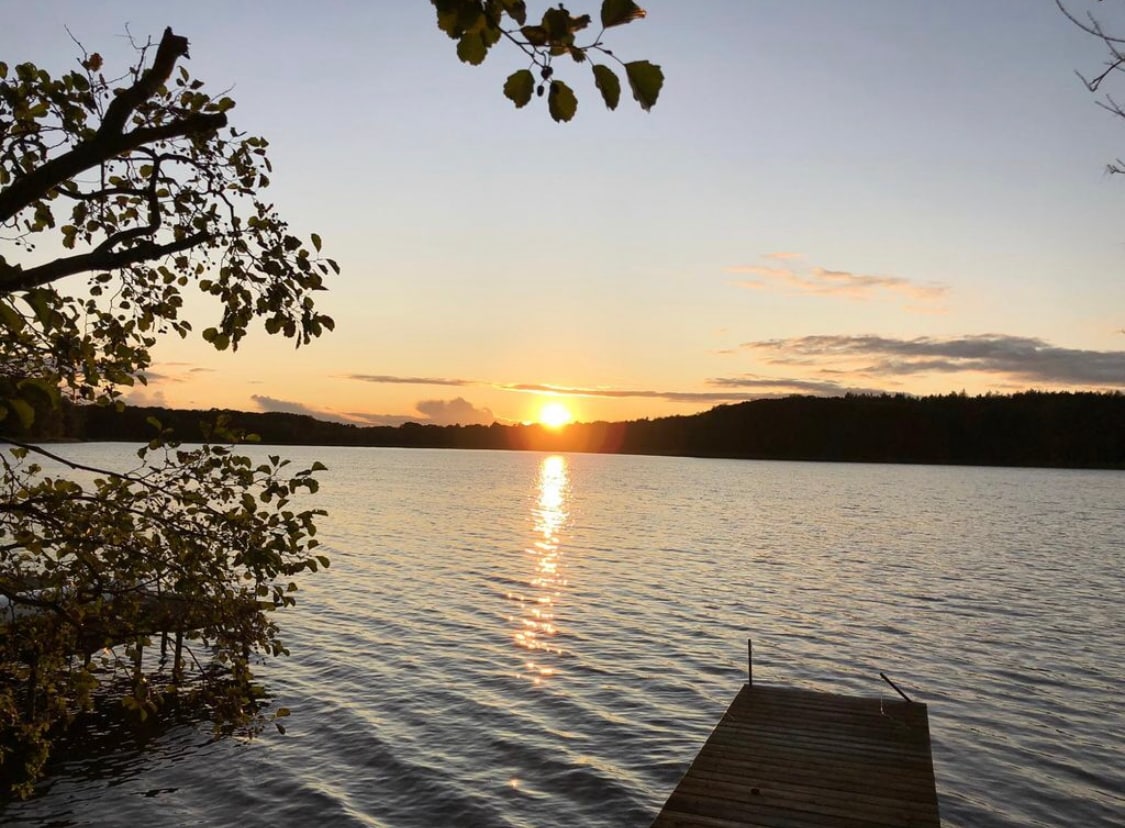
(478, 25)
(138, 183)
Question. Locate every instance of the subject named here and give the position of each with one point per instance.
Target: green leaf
(608, 84)
(11, 318)
(23, 410)
(316, 242)
(471, 48)
(620, 12)
(519, 86)
(561, 102)
(536, 35)
(516, 9)
(557, 23)
(45, 392)
(646, 80)
(3, 69)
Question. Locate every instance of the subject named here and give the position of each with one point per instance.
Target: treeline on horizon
(1061, 429)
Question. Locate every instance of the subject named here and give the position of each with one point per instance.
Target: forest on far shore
(1033, 428)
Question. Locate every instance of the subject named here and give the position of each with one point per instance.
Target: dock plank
(784, 757)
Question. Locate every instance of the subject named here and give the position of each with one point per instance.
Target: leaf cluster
(150, 193)
(147, 192)
(478, 25)
(203, 540)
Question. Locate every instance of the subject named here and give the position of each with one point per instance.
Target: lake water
(516, 639)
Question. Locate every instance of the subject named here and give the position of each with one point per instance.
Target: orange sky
(827, 198)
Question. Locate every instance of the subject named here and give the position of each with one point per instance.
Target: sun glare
(554, 415)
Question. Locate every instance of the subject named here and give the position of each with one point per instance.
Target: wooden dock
(793, 758)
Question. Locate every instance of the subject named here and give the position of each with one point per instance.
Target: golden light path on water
(535, 625)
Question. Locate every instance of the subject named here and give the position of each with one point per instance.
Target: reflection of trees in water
(537, 631)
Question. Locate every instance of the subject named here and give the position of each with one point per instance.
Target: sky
(873, 196)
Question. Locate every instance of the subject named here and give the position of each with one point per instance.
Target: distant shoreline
(1083, 430)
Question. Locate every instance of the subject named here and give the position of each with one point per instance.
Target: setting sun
(554, 415)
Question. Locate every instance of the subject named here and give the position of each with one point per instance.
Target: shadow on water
(110, 746)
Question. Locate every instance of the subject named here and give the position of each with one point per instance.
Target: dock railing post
(749, 661)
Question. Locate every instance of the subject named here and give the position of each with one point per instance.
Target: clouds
(457, 410)
(553, 390)
(784, 387)
(818, 365)
(289, 407)
(1011, 359)
(820, 281)
(387, 379)
(433, 412)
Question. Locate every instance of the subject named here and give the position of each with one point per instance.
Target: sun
(555, 415)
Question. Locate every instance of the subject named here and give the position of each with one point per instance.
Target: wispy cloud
(387, 379)
(563, 390)
(782, 387)
(783, 255)
(1012, 358)
(624, 393)
(820, 281)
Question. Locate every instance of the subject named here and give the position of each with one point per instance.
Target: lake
(519, 639)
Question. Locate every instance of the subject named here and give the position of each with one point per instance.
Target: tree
(140, 185)
(1114, 45)
(478, 25)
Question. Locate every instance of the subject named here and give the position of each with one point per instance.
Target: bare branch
(172, 48)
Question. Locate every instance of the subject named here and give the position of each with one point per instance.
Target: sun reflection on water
(535, 624)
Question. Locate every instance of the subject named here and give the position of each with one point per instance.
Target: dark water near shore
(526, 640)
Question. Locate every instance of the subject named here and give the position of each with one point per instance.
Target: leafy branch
(477, 25)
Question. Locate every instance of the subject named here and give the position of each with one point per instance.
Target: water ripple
(515, 640)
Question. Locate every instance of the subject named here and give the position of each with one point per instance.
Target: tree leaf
(561, 102)
(620, 12)
(608, 84)
(536, 35)
(557, 23)
(23, 410)
(10, 318)
(316, 242)
(646, 80)
(471, 49)
(516, 9)
(519, 87)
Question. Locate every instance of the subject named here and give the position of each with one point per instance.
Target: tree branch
(14, 278)
(172, 47)
(99, 149)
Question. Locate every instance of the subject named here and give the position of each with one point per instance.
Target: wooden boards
(793, 758)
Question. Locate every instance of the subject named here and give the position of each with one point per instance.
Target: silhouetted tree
(145, 188)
